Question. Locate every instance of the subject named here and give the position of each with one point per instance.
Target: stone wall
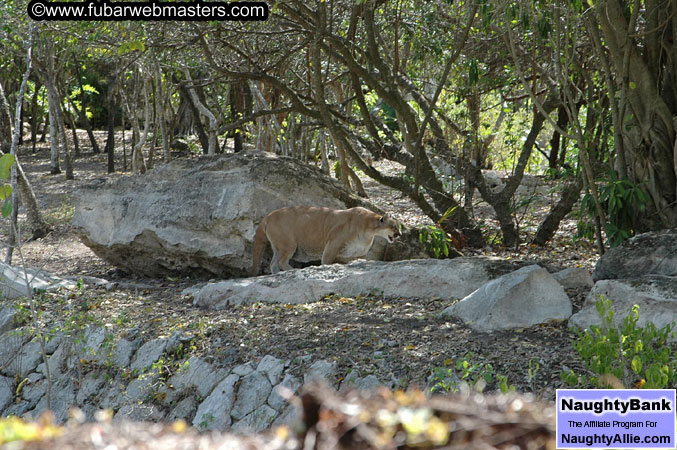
(149, 380)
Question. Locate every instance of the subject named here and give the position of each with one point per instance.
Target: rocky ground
(399, 340)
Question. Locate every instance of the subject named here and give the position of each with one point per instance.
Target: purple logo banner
(616, 418)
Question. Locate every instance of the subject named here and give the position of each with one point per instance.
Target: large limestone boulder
(653, 253)
(523, 298)
(446, 279)
(198, 216)
(656, 296)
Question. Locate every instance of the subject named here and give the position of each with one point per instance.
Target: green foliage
(435, 239)
(6, 163)
(452, 376)
(629, 354)
(622, 200)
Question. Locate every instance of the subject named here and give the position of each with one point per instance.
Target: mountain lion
(334, 234)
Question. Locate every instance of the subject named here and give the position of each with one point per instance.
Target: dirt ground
(399, 340)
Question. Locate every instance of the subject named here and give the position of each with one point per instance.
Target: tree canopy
(584, 92)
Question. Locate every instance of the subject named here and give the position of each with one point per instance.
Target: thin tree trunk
(110, 138)
(160, 113)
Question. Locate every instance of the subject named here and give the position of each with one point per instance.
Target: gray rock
(322, 371)
(526, 297)
(52, 343)
(17, 409)
(573, 278)
(148, 354)
(493, 180)
(13, 281)
(184, 410)
(214, 412)
(57, 361)
(92, 346)
(33, 392)
(653, 253)
(25, 359)
(272, 367)
(62, 399)
(139, 413)
(368, 383)
(656, 296)
(277, 399)
(7, 319)
(256, 421)
(243, 369)
(156, 225)
(197, 374)
(446, 279)
(90, 386)
(141, 389)
(123, 352)
(290, 417)
(253, 392)
(11, 342)
(6, 392)
(112, 395)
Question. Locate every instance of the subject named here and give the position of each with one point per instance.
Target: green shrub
(477, 375)
(435, 240)
(622, 200)
(632, 355)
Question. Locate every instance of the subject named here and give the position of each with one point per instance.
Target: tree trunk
(197, 123)
(160, 114)
(36, 222)
(651, 132)
(110, 138)
(570, 195)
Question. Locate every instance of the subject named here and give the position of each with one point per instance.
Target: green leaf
(5, 191)
(7, 208)
(6, 162)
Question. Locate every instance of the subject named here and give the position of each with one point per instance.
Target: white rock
(156, 225)
(446, 279)
(656, 296)
(526, 297)
(574, 277)
(13, 281)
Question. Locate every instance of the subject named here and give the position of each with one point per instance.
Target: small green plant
(629, 354)
(435, 238)
(622, 201)
(452, 376)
